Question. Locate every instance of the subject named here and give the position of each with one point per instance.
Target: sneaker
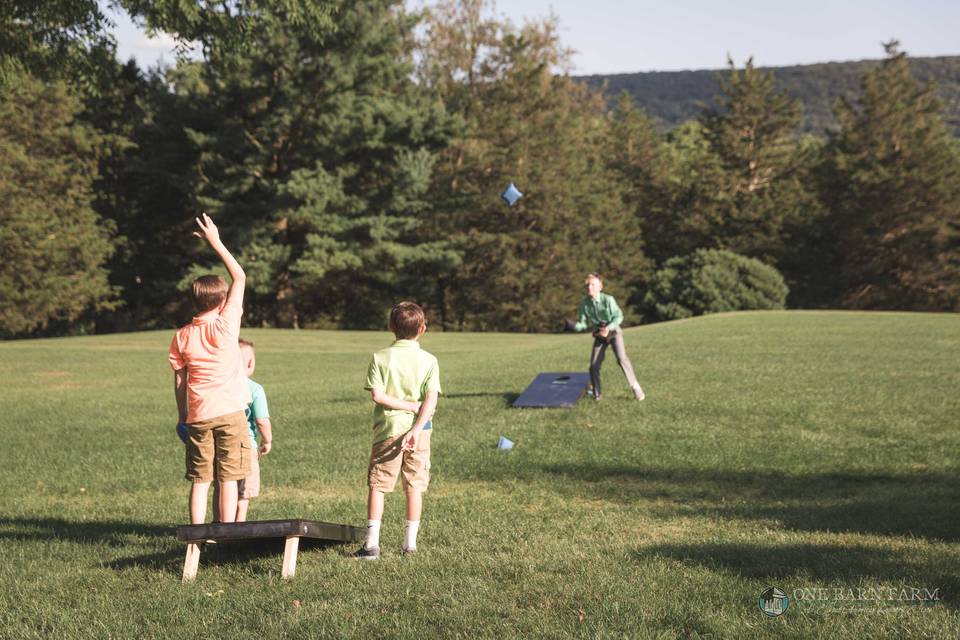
(408, 552)
(373, 553)
(638, 393)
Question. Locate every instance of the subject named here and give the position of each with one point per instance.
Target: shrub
(710, 281)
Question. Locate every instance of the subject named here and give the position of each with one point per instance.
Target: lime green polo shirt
(593, 312)
(405, 371)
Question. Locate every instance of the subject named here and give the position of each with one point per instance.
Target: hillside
(675, 96)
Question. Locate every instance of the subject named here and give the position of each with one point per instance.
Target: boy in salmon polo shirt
(211, 386)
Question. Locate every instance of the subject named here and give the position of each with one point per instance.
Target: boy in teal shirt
(258, 419)
(601, 312)
(404, 383)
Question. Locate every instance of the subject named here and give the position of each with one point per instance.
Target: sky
(622, 36)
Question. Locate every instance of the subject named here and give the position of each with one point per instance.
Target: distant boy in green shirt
(404, 382)
(600, 312)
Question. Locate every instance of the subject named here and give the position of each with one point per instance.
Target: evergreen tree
(893, 181)
(522, 266)
(317, 154)
(53, 243)
(762, 189)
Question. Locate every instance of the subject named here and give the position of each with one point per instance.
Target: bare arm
(266, 435)
(180, 391)
(389, 402)
(212, 235)
(426, 414)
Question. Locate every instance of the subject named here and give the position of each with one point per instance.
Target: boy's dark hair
(245, 343)
(594, 274)
(406, 318)
(207, 292)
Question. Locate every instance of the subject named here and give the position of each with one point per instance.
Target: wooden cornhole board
(292, 530)
(554, 389)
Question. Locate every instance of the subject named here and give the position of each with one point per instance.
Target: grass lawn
(812, 451)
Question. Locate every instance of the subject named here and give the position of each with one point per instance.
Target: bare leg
(414, 504)
(228, 501)
(216, 502)
(198, 502)
(242, 506)
(375, 505)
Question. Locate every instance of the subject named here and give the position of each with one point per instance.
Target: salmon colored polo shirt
(208, 348)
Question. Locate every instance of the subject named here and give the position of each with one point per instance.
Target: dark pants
(615, 338)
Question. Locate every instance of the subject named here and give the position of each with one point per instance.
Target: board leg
(290, 556)
(192, 561)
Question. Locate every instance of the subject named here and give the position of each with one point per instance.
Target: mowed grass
(801, 450)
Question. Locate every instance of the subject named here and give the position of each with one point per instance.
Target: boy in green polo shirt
(404, 382)
(601, 312)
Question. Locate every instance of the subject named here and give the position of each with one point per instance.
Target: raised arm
(212, 235)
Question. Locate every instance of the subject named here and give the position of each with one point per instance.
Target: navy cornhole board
(554, 389)
(290, 530)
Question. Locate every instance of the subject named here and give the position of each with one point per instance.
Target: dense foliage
(353, 153)
(711, 281)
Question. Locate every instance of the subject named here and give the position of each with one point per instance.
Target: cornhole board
(291, 530)
(554, 389)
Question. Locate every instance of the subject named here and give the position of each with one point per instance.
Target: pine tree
(316, 153)
(522, 267)
(893, 181)
(52, 242)
(752, 131)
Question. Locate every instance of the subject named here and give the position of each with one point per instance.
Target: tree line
(673, 97)
(354, 152)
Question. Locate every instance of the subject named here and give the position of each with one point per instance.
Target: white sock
(373, 534)
(410, 534)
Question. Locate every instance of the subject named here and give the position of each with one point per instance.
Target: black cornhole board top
(554, 389)
(270, 529)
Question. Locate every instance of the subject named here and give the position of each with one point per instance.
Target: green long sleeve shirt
(593, 312)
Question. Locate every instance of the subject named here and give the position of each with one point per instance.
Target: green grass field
(802, 450)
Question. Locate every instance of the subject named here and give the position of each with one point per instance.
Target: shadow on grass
(508, 398)
(923, 505)
(793, 566)
(110, 532)
(229, 553)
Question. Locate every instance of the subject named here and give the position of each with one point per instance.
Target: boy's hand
(410, 440)
(418, 405)
(210, 232)
(265, 447)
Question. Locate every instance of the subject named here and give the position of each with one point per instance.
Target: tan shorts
(388, 460)
(249, 487)
(225, 439)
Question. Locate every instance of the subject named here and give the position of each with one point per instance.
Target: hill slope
(673, 97)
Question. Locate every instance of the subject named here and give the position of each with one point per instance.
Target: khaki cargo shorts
(225, 439)
(249, 487)
(388, 460)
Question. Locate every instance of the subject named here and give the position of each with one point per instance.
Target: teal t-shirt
(256, 409)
